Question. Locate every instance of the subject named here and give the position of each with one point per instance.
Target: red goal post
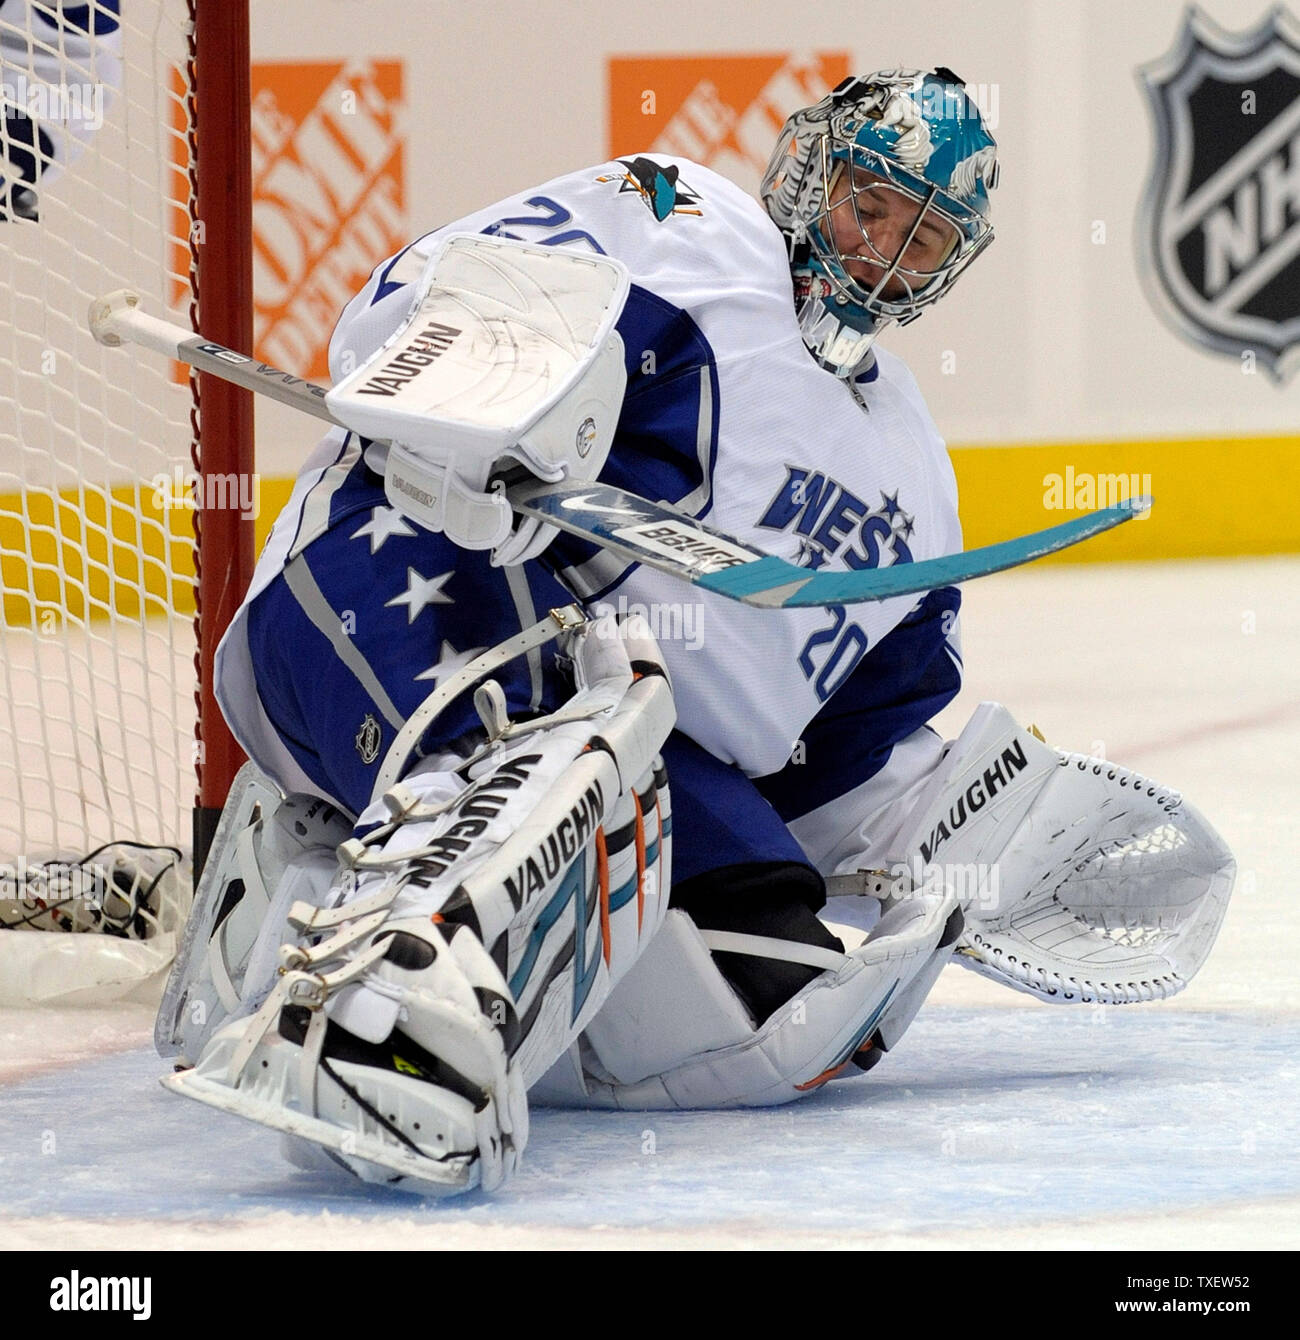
(125, 161)
(222, 284)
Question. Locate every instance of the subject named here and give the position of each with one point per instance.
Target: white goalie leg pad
(1080, 880)
(704, 1050)
(268, 852)
(476, 930)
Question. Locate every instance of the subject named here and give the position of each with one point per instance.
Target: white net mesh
(97, 717)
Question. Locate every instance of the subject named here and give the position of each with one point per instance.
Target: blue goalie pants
(371, 616)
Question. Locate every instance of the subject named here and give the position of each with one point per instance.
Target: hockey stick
(664, 538)
(632, 527)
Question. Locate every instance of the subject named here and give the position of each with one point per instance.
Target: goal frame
(221, 309)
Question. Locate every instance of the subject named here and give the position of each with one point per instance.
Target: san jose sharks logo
(661, 188)
(834, 525)
(1220, 232)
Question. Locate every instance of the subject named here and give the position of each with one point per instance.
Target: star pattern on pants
(422, 591)
(384, 524)
(449, 661)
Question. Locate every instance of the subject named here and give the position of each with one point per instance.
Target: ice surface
(998, 1121)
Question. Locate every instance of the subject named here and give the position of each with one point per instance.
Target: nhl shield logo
(1220, 232)
(368, 738)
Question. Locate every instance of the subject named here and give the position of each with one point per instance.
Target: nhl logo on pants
(1219, 236)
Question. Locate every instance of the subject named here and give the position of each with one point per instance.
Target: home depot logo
(328, 197)
(722, 111)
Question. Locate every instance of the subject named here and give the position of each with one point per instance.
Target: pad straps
(765, 946)
(564, 619)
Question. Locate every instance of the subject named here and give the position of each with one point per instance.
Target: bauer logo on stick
(704, 553)
(1219, 236)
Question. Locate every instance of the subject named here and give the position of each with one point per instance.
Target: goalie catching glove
(1080, 880)
(478, 926)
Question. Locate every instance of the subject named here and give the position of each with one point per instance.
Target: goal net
(106, 727)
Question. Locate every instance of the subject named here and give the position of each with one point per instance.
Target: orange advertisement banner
(329, 197)
(722, 111)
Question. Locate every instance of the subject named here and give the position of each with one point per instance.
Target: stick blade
(770, 587)
(661, 537)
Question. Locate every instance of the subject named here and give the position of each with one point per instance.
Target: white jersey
(728, 417)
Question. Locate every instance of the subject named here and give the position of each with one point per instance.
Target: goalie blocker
(508, 362)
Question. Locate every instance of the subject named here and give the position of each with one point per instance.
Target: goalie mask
(881, 190)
